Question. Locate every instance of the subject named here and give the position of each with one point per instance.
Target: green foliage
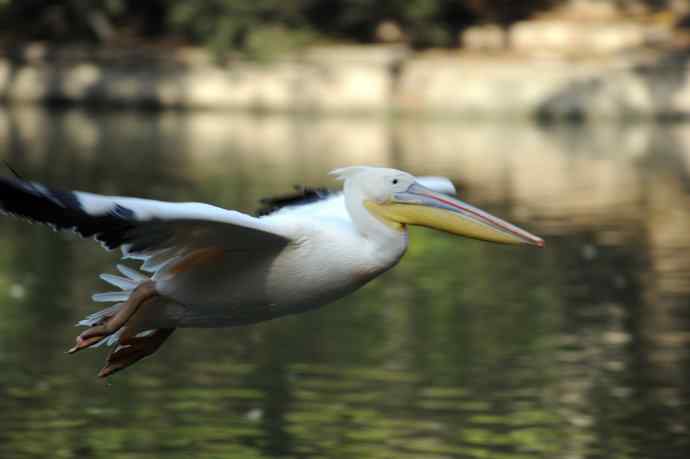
(274, 26)
(78, 20)
(259, 28)
(506, 11)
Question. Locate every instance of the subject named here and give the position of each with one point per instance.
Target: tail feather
(110, 340)
(123, 283)
(110, 297)
(131, 273)
(127, 253)
(99, 316)
(159, 259)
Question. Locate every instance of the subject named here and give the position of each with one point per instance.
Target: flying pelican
(204, 266)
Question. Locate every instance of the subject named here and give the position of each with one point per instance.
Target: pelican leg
(132, 349)
(92, 335)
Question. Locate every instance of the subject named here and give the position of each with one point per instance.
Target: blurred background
(570, 118)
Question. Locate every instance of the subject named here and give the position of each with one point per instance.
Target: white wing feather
(142, 227)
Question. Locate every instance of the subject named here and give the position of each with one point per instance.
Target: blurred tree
(253, 26)
(261, 27)
(250, 26)
(425, 22)
(80, 20)
(507, 11)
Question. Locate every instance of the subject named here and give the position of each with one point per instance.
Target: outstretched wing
(141, 227)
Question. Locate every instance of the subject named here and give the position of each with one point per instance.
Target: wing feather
(138, 226)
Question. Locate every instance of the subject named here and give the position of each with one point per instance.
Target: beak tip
(539, 242)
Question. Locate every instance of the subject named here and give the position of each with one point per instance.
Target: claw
(84, 343)
(132, 350)
(110, 325)
(128, 321)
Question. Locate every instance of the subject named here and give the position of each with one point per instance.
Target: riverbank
(374, 80)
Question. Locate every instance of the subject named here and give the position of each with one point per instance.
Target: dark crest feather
(301, 196)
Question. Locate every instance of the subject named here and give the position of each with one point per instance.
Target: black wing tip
(17, 194)
(301, 196)
(13, 170)
(63, 211)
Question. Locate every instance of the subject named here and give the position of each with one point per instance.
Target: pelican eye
(395, 181)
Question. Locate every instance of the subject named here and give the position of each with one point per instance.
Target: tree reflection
(465, 349)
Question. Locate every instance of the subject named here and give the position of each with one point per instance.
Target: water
(465, 350)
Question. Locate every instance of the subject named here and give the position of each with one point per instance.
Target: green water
(464, 350)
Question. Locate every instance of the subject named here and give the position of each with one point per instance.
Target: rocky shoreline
(371, 80)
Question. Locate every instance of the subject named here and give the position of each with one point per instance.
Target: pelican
(205, 266)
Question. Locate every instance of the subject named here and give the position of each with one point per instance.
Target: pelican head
(398, 199)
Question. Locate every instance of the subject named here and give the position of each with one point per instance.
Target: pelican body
(204, 266)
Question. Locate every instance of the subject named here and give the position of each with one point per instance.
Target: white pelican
(211, 267)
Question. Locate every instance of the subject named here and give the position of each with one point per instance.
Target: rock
(489, 37)
(389, 31)
(351, 79)
(593, 9)
(585, 38)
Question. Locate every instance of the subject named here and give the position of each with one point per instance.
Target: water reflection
(465, 350)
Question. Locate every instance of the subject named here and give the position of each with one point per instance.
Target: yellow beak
(424, 207)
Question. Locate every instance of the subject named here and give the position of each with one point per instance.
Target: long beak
(421, 206)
